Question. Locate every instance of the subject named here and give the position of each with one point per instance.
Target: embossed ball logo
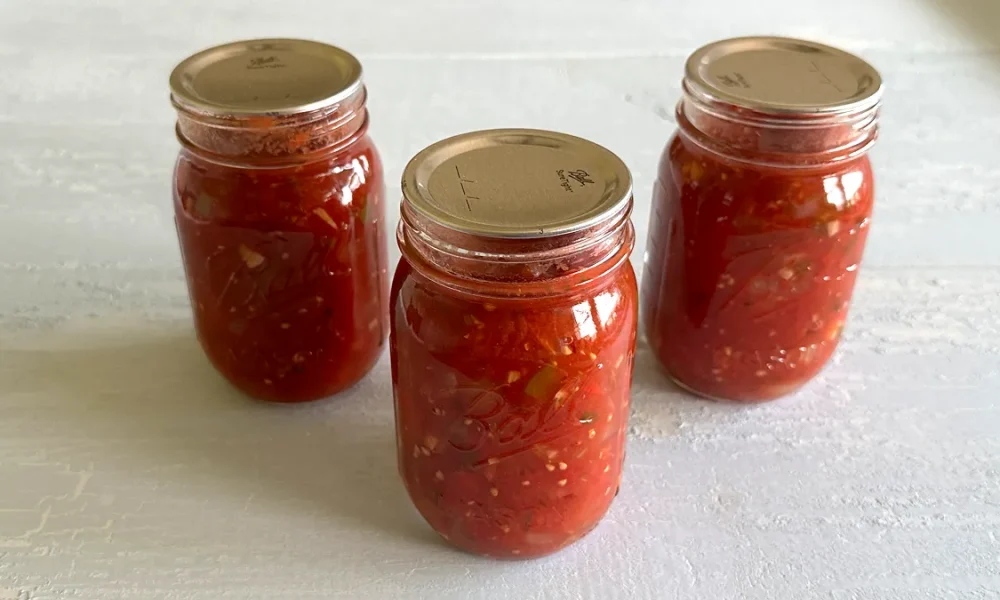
(504, 428)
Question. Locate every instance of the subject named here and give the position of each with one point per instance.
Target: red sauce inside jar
(512, 382)
(757, 231)
(281, 228)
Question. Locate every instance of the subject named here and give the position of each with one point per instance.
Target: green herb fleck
(544, 384)
(203, 205)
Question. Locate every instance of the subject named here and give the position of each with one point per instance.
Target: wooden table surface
(129, 470)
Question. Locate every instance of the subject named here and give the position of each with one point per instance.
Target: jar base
(782, 392)
(511, 557)
(259, 393)
(482, 547)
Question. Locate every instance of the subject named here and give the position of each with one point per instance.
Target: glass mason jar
(278, 198)
(759, 216)
(513, 317)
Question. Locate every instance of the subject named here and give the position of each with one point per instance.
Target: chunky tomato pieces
(750, 268)
(286, 269)
(511, 412)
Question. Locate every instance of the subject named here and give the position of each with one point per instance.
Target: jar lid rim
(784, 76)
(267, 76)
(517, 183)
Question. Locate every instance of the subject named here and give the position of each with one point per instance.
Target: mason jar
(759, 216)
(513, 320)
(278, 197)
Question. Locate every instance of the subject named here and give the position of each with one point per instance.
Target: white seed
(515, 551)
(505, 528)
(416, 451)
(268, 382)
(494, 492)
(431, 442)
(286, 325)
(439, 476)
(250, 258)
(563, 466)
(592, 434)
(567, 350)
(489, 307)
(552, 453)
(550, 467)
(525, 483)
(607, 468)
(561, 482)
(513, 376)
(425, 451)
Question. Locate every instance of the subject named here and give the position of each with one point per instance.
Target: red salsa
(512, 370)
(756, 234)
(280, 222)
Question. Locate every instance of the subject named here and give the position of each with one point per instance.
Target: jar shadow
(661, 408)
(147, 402)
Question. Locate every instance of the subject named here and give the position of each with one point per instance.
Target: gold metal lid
(516, 183)
(267, 76)
(784, 75)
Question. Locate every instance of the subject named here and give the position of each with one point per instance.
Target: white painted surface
(129, 470)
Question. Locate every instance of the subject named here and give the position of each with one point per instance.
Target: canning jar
(759, 216)
(278, 199)
(513, 317)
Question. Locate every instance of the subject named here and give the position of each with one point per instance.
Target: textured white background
(129, 470)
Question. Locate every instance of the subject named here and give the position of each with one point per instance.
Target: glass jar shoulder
(319, 193)
(472, 328)
(756, 198)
